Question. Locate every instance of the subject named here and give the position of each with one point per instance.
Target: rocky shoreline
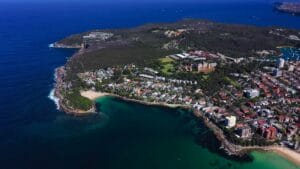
(59, 75)
(228, 147)
(62, 46)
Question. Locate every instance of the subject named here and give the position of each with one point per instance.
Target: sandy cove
(231, 148)
(93, 95)
(286, 153)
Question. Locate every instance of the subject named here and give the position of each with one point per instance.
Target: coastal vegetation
(142, 44)
(222, 72)
(74, 40)
(120, 55)
(75, 100)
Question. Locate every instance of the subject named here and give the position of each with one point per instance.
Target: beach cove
(281, 151)
(200, 148)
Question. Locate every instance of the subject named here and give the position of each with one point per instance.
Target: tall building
(280, 63)
(270, 133)
(296, 146)
(206, 67)
(244, 132)
(277, 73)
(291, 68)
(230, 121)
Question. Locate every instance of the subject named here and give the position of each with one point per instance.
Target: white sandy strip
(92, 95)
(287, 153)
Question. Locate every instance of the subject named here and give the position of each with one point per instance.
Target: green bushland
(73, 40)
(76, 101)
(138, 54)
(239, 41)
(143, 46)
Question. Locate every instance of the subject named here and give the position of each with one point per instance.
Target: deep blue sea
(33, 133)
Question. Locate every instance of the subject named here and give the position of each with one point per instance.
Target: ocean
(35, 135)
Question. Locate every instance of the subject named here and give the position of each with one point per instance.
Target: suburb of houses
(256, 107)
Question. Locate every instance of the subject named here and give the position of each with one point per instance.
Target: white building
(291, 68)
(98, 35)
(280, 63)
(252, 93)
(146, 76)
(294, 37)
(230, 121)
(151, 70)
(277, 73)
(182, 55)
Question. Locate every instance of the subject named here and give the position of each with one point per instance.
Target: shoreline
(93, 95)
(229, 147)
(62, 46)
(286, 153)
(59, 75)
(233, 149)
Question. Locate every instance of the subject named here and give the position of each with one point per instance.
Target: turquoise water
(140, 136)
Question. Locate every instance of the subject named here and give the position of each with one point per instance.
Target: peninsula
(243, 81)
(288, 7)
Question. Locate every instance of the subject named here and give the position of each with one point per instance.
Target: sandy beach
(92, 95)
(282, 151)
(286, 153)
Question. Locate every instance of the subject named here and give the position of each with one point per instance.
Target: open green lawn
(167, 65)
(205, 77)
(166, 60)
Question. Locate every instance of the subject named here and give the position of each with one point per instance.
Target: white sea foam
(51, 45)
(55, 99)
(55, 75)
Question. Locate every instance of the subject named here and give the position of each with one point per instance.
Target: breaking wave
(51, 45)
(55, 99)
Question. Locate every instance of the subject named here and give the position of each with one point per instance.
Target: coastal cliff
(65, 46)
(60, 93)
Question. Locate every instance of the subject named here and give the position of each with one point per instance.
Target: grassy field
(167, 65)
(205, 77)
(232, 82)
